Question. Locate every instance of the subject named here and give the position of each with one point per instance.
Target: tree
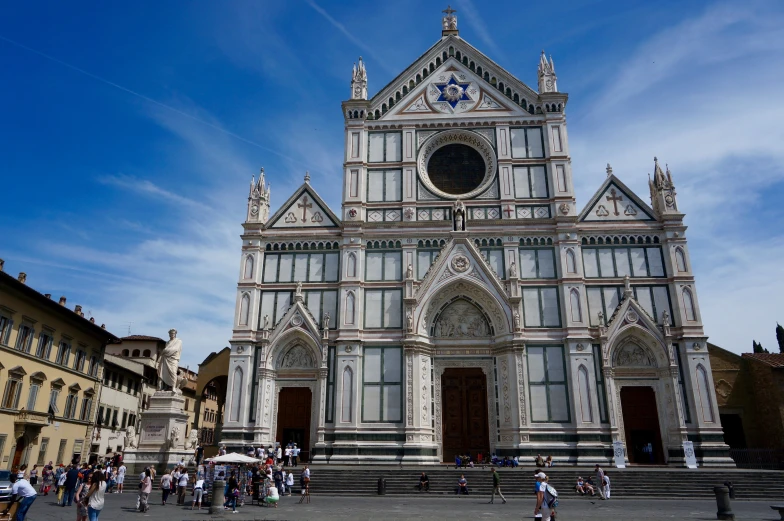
(757, 347)
(780, 337)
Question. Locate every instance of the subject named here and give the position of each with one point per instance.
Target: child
(234, 494)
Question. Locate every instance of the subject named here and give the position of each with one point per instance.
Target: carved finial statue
(307, 176)
(512, 270)
(601, 318)
(609, 170)
(409, 321)
(298, 291)
(169, 361)
(665, 318)
(627, 286)
(409, 271)
(459, 211)
(325, 321)
(449, 21)
(547, 79)
(266, 322)
(517, 319)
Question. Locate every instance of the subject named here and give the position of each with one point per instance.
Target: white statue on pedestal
(169, 362)
(130, 437)
(193, 439)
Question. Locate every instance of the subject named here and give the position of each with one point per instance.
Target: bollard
(723, 506)
(382, 487)
(216, 503)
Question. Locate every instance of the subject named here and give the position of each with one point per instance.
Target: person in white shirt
(21, 491)
(279, 456)
(295, 454)
(606, 486)
(121, 478)
(260, 453)
(182, 486)
(289, 482)
(287, 454)
(198, 492)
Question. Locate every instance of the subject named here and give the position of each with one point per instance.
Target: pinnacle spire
(608, 170)
(307, 176)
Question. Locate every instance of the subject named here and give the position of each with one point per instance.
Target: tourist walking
(61, 477)
(95, 496)
(47, 479)
(599, 481)
(290, 482)
(145, 487)
(166, 483)
(496, 486)
(71, 477)
(182, 486)
(287, 455)
(606, 486)
(34, 476)
(198, 492)
(81, 507)
(294, 454)
(304, 482)
(121, 477)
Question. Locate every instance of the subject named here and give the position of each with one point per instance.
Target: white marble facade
(427, 269)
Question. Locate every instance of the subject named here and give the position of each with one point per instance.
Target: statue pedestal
(163, 432)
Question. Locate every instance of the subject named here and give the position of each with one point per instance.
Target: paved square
(419, 507)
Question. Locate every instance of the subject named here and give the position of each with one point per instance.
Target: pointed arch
(574, 303)
(350, 311)
(236, 395)
(248, 272)
(347, 395)
(351, 265)
(244, 309)
(680, 259)
(584, 387)
(571, 261)
(704, 393)
(688, 305)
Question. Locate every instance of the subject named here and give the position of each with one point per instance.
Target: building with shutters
(460, 300)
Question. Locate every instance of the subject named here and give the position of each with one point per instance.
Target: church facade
(460, 301)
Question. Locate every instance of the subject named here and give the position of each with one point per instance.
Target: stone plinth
(163, 432)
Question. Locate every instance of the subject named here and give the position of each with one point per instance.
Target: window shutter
(8, 332)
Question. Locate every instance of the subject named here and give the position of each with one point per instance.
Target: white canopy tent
(233, 458)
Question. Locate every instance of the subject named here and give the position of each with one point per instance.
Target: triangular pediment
(614, 202)
(412, 92)
(298, 316)
(453, 90)
(304, 209)
(461, 269)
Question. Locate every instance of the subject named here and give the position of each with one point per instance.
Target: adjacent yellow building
(51, 363)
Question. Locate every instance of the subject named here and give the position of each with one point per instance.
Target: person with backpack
(546, 498)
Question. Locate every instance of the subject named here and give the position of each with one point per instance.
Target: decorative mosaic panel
(434, 214)
(382, 215)
(533, 212)
(488, 212)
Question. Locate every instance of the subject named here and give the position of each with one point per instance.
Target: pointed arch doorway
(465, 425)
(294, 415)
(641, 425)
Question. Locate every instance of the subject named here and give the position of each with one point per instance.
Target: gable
(452, 51)
(615, 202)
(304, 209)
(453, 90)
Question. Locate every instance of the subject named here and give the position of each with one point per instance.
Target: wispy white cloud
(350, 36)
(146, 187)
(469, 16)
(724, 149)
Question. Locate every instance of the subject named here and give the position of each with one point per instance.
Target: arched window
(347, 395)
(680, 259)
(574, 301)
(236, 395)
(244, 309)
(351, 265)
(248, 267)
(146, 353)
(125, 352)
(350, 307)
(583, 384)
(136, 352)
(706, 406)
(571, 263)
(688, 305)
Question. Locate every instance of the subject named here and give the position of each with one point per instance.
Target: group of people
(270, 481)
(468, 461)
(83, 486)
(277, 455)
(542, 462)
(588, 486)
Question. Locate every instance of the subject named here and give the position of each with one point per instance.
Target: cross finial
(609, 170)
(307, 176)
(448, 11)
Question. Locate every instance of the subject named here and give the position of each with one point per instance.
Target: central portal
(641, 425)
(464, 399)
(294, 419)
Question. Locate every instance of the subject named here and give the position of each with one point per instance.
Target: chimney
(62, 301)
(103, 326)
(48, 295)
(92, 320)
(22, 277)
(78, 309)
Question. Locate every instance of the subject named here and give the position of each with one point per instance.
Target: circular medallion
(564, 208)
(457, 164)
(254, 210)
(296, 320)
(631, 317)
(460, 263)
(348, 349)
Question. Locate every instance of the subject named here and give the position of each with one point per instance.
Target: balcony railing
(758, 458)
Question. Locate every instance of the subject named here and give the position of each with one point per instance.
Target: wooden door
(464, 413)
(294, 419)
(21, 445)
(641, 425)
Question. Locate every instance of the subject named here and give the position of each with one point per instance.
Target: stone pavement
(417, 507)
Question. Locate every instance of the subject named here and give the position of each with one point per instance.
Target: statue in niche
(512, 270)
(266, 322)
(461, 319)
(517, 320)
(459, 211)
(410, 272)
(299, 357)
(298, 291)
(632, 355)
(410, 321)
(325, 321)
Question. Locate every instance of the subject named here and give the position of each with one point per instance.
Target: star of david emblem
(453, 92)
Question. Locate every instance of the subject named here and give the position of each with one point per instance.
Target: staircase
(641, 483)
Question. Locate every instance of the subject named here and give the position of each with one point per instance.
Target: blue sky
(130, 131)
